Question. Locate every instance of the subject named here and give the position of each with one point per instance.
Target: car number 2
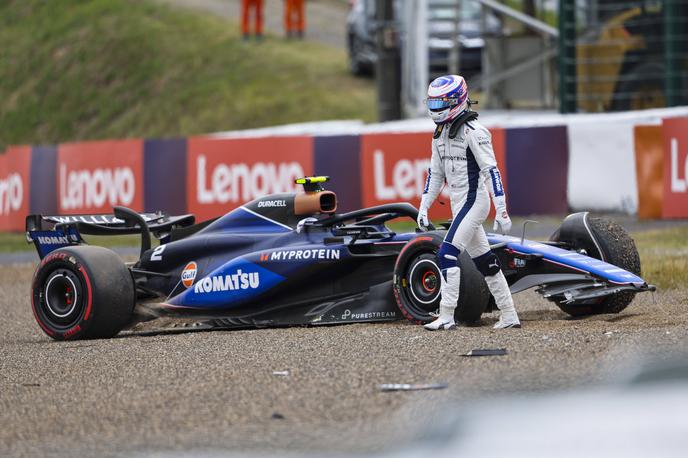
(157, 253)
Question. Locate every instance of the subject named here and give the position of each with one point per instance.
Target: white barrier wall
(602, 172)
(602, 175)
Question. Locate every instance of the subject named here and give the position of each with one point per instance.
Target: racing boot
(451, 279)
(500, 290)
(444, 321)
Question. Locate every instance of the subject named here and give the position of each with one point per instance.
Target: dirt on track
(146, 392)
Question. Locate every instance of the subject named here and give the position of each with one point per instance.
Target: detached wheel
(617, 248)
(417, 283)
(83, 292)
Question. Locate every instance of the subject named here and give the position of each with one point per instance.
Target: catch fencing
(619, 55)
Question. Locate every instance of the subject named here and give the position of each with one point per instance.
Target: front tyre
(417, 283)
(83, 292)
(618, 248)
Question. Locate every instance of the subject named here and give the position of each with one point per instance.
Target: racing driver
(462, 155)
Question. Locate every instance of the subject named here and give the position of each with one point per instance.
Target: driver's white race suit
(467, 163)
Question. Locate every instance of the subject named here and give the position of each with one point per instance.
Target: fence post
(567, 57)
(388, 68)
(671, 36)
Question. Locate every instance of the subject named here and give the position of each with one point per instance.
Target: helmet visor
(441, 103)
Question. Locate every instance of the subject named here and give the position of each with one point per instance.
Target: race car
(290, 259)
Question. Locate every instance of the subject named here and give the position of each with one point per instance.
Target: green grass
(664, 256)
(11, 242)
(95, 69)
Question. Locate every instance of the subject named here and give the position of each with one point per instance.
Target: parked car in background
(442, 29)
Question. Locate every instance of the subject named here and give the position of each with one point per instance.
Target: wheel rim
(429, 281)
(61, 299)
(423, 285)
(423, 281)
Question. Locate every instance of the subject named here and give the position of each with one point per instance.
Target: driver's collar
(462, 119)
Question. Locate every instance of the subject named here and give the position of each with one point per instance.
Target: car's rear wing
(50, 232)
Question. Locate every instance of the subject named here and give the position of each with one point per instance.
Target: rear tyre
(417, 283)
(83, 292)
(618, 248)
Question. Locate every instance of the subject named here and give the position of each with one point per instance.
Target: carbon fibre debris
(411, 386)
(487, 352)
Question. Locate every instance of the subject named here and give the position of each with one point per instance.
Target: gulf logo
(189, 274)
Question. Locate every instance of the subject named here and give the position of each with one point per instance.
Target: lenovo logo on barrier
(675, 168)
(96, 188)
(678, 184)
(11, 193)
(407, 180)
(242, 182)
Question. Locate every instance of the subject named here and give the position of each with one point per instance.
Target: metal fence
(622, 55)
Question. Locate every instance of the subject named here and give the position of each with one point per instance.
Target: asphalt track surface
(166, 389)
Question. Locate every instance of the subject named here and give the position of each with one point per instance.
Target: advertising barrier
(92, 177)
(15, 183)
(164, 169)
(589, 162)
(339, 158)
(675, 136)
(394, 168)
(43, 180)
(224, 173)
(537, 166)
(499, 146)
(601, 173)
(649, 162)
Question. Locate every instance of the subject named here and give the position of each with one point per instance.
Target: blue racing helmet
(447, 98)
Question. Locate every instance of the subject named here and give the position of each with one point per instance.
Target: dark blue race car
(290, 259)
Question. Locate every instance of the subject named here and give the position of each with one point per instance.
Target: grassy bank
(664, 256)
(93, 69)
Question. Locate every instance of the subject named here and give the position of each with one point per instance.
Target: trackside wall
(635, 163)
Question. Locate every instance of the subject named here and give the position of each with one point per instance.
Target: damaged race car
(290, 259)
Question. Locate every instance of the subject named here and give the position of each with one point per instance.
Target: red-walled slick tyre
(417, 282)
(83, 292)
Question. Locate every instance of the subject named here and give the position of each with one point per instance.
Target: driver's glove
(502, 221)
(422, 220)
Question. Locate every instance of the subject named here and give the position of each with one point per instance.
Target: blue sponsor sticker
(49, 241)
(228, 285)
(497, 181)
(427, 181)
